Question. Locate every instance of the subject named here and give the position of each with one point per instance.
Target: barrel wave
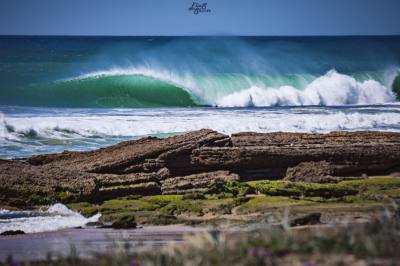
(120, 91)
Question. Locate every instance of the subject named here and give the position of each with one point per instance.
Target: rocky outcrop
(191, 162)
(257, 155)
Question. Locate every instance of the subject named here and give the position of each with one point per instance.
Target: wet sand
(88, 242)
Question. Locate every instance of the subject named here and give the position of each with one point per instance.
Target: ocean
(82, 93)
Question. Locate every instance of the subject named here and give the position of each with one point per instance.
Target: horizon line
(198, 35)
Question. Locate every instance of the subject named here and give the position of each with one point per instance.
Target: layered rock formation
(191, 162)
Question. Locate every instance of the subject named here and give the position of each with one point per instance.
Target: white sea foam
(331, 89)
(151, 122)
(58, 216)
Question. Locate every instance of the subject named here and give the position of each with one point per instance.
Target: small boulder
(313, 172)
(309, 219)
(12, 233)
(124, 222)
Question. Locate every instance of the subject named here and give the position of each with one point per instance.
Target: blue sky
(172, 17)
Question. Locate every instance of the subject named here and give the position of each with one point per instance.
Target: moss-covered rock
(234, 188)
(180, 206)
(263, 203)
(162, 219)
(38, 199)
(273, 196)
(387, 182)
(298, 189)
(194, 196)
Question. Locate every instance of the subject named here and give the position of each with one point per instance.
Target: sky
(226, 17)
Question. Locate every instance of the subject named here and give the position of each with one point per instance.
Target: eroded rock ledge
(191, 162)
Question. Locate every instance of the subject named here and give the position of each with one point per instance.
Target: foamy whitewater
(28, 131)
(331, 89)
(56, 217)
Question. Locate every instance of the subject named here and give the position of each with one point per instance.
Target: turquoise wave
(120, 91)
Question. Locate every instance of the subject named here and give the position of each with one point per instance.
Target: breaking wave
(147, 88)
